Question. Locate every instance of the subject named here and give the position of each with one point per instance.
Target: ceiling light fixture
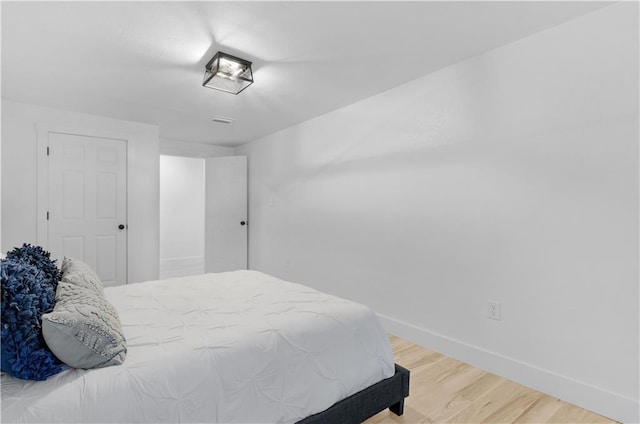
(228, 73)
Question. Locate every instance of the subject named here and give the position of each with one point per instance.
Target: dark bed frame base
(388, 393)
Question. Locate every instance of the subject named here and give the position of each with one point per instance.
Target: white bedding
(231, 347)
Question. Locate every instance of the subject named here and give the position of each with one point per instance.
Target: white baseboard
(584, 395)
(180, 267)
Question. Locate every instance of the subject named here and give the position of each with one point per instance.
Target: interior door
(87, 203)
(225, 246)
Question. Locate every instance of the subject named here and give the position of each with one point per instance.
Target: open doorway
(182, 222)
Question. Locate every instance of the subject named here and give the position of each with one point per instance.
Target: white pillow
(80, 274)
(84, 329)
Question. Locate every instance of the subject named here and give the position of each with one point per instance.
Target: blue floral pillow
(27, 293)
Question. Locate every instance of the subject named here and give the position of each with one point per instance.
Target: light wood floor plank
(443, 390)
(541, 411)
(493, 405)
(570, 414)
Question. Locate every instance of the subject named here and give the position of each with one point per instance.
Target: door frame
(42, 174)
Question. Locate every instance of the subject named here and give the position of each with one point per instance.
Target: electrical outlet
(493, 311)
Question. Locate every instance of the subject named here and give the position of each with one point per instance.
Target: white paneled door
(87, 203)
(225, 245)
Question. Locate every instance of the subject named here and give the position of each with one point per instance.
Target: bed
(230, 347)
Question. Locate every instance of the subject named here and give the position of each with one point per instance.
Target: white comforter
(239, 347)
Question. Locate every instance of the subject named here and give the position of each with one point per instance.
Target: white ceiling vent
(222, 119)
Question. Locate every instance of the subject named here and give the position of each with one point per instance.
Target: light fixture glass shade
(228, 73)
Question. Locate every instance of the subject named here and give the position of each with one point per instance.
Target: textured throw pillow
(26, 294)
(84, 329)
(40, 258)
(80, 274)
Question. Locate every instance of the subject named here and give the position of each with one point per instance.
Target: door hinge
(47, 150)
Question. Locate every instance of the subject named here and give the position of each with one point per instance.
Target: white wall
(2, 251)
(195, 150)
(512, 176)
(181, 216)
(19, 180)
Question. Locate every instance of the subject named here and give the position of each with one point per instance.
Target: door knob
(243, 223)
(121, 227)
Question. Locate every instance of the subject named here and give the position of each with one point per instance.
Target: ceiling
(144, 61)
